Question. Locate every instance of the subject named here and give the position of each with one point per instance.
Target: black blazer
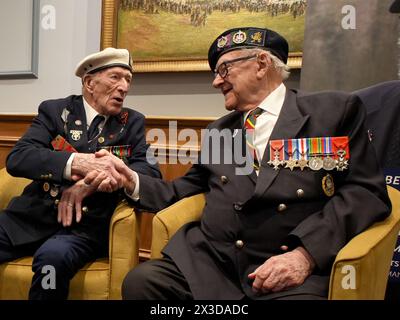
(268, 212)
(383, 120)
(33, 215)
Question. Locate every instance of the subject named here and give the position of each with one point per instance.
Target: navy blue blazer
(32, 216)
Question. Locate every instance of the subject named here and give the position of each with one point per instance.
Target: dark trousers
(55, 261)
(160, 279)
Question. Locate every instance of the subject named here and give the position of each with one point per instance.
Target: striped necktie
(250, 125)
(93, 130)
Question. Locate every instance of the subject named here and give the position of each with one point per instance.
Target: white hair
(282, 68)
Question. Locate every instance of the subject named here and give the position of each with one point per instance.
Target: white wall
(77, 33)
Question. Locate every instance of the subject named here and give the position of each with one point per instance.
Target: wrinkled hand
(125, 174)
(71, 199)
(283, 271)
(83, 163)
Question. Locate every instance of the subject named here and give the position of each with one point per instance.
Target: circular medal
(329, 163)
(101, 139)
(315, 163)
(328, 185)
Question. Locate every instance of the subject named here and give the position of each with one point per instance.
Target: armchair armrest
(10, 187)
(168, 221)
(123, 246)
(367, 259)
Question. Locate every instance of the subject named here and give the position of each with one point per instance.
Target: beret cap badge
(222, 42)
(239, 37)
(245, 38)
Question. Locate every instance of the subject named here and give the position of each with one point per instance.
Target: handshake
(103, 172)
(99, 172)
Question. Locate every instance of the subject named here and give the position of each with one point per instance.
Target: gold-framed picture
(174, 35)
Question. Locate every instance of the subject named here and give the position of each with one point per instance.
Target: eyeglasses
(223, 68)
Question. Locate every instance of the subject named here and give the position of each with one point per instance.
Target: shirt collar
(90, 112)
(273, 103)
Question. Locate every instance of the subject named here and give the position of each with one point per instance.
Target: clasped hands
(99, 172)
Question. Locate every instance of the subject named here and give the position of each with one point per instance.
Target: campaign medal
(303, 154)
(329, 163)
(302, 163)
(276, 154)
(315, 163)
(328, 185)
(290, 147)
(291, 163)
(75, 134)
(315, 148)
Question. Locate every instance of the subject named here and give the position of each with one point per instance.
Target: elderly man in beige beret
(59, 219)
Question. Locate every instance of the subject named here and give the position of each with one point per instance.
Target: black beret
(248, 37)
(395, 7)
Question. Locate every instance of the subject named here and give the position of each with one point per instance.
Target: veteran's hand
(83, 163)
(126, 174)
(71, 198)
(283, 271)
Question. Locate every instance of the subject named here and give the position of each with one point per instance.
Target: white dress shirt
(272, 106)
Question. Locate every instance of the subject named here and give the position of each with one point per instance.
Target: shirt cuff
(68, 168)
(135, 194)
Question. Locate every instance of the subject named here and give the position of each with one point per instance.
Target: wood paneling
(173, 140)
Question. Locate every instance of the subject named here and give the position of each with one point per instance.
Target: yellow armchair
(360, 270)
(97, 280)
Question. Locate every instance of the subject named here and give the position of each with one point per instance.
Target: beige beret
(107, 58)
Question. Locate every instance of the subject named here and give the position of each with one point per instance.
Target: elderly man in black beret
(273, 233)
(59, 219)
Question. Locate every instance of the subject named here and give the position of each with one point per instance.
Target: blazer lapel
(112, 131)
(76, 126)
(288, 126)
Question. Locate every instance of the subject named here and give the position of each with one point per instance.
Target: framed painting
(19, 33)
(174, 35)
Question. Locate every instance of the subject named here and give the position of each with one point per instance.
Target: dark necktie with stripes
(250, 125)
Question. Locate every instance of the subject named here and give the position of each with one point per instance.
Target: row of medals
(314, 162)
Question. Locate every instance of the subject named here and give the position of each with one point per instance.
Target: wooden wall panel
(12, 127)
